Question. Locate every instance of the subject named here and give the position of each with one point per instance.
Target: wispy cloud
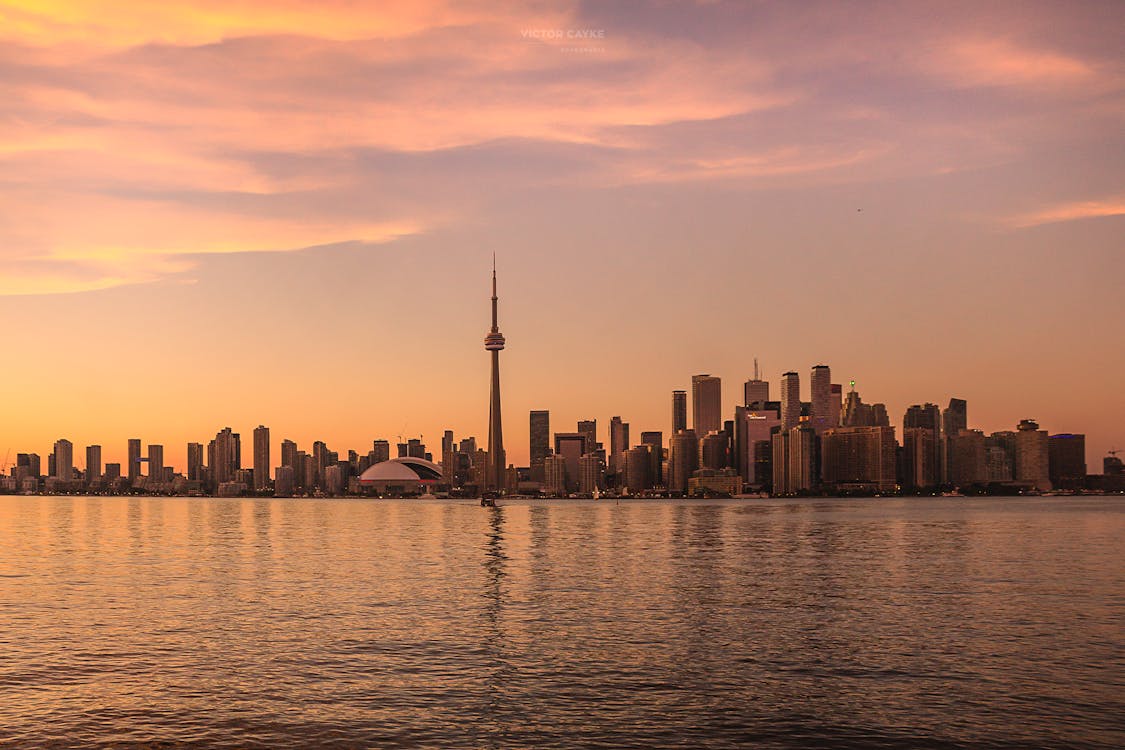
(1075, 211)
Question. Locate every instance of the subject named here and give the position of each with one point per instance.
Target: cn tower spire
(494, 344)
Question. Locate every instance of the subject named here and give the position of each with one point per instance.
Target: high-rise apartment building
(64, 460)
(919, 459)
(448, 462)
(790, 401)
(927, 416)
(966, 457)
(555, 480)
(1032, 455)
(539, 442)
(794, 460)
(679, 411)
(821, 404)
(195, 462)
(261, 458)
(227, 459)
(93, 463)
(706, 404)
(683, 459)
(155, 463)
(133, 457)
(954, 418)
(637, 471)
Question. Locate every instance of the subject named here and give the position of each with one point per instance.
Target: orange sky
(233, 213)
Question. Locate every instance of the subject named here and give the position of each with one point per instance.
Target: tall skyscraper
(618, 444)
(64, 460)
(448, 462)
(790, 401)
(289, 456)
(93, 463)
(821, 386)
(589, 428)
(195, 461)
(706, 404)
(954, 419)
(226, 461)
(755, 390)
(683, 459)
(1032, 455)
(679, 411)
(654, 439)
(155, 463)
(261, 457)
(539, 443)
(836, 405)
(134, 459)
(927, 416)
(494, 344)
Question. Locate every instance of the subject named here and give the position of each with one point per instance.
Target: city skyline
(252, 215)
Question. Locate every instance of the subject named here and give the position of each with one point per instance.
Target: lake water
(917, 623)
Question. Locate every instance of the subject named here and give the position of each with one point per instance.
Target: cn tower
(494, 342)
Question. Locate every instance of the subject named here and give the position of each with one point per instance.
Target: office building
(539, 443)
(859, 459)
(63, 460)
(589, 428)
(927, 416)
(618, 444)
(794, 460)
(919, 459)
(706, 404)
(820, 384)
(790, 401)
(679, 411)
(572, 446)
(1066, 460)
(653, 440)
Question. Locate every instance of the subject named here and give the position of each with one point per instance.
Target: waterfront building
(63, 460)
(284, 485)
(195, 462)
(794, 460)
(448, 463)
(155, 463)
(683, 459)
(638, 469)
(539, 443)
(967, 458)
(859, 458)
(590, 473)
(1032, 455)
(133, 459)
(927, 416)
(572, 446)
(725, 482)
(713, 450)
(555, 480)
(954, 418)
(654, 441)
(919, 466)
(706, 404)
(93, 463)
(227, 458)
(261, 457)
(1066, 460)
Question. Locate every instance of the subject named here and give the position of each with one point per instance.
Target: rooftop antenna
(756, 368)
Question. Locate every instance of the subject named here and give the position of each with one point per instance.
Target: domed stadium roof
(406, 469)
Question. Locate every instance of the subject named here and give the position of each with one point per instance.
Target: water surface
(168, 622)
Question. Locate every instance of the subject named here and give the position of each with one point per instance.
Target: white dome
(406, 469)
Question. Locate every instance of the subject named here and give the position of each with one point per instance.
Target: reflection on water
(142, 622)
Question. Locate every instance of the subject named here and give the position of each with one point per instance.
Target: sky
(277, 212)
